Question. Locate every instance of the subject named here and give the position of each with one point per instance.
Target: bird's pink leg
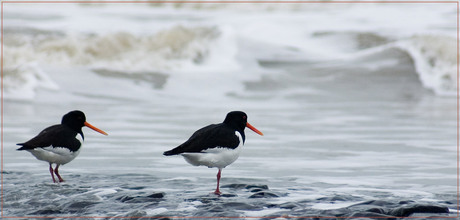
(56, 171)
(52, 174)
(217, 192)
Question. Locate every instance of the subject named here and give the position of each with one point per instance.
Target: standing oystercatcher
(60, 143)
(216, 145)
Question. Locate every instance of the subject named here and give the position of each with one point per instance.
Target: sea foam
(435, 60)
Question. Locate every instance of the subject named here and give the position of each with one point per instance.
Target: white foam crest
(103, 192)
(435, 59)
(434, 56)
(21, 81)
(177, 50)
(168, 49)
(206, 48)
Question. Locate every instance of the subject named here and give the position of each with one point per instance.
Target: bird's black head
(236, 120)
(75, 120)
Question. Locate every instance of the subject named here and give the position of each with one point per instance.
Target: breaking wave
(164, 50)
(174, 49)
(435, 61)
(197, 50)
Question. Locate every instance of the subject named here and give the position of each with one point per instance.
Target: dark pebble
(270, 206)
(256, 187)
(339, 198)
(408, 210)
(406, 202)
(263, 195)
(244, 186)
(289, 205)
(227, 195)
(234, 186)
(157, 195)
(376, 203)
(50, 210)
(365, 210)
(256, 190)
(135, 187)
(140, 199)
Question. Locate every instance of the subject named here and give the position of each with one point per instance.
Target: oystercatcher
(216, 145)
(61, 143)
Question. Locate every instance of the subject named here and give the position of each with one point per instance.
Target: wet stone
(245, 186)
(376, 203)
(141, 199)
(406, 202)
(263, 194)
(394, 209)
(256, 187)
(228, 195)
(339, 198)
(50, 210)
(375, 206)
(157, 195)
(289, 205)
(270, 206)
(256, 190)
(135, 187)
(367, 210)
(234, 186)
(408, 210)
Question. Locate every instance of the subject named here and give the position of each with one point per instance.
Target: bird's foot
(217, 192)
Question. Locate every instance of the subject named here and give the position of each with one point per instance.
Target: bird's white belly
(216, 157)
(57, 155)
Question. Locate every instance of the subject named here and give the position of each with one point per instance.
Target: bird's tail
(175, 151)
(22, 147)
(170, 153)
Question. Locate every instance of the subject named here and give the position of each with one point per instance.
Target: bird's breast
(219, 157)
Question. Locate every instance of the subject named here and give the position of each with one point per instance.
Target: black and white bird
(216, 145)
(61, 143)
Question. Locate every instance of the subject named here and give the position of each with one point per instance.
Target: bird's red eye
(244, 117)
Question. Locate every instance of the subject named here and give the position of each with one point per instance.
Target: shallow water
(355, 137)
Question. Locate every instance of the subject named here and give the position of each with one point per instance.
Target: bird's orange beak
(253, 129)
(94, 128)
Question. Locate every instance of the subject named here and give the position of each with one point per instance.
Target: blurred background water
(355, 100)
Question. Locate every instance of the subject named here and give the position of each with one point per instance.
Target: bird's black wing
(211, 136)
(56, 136)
